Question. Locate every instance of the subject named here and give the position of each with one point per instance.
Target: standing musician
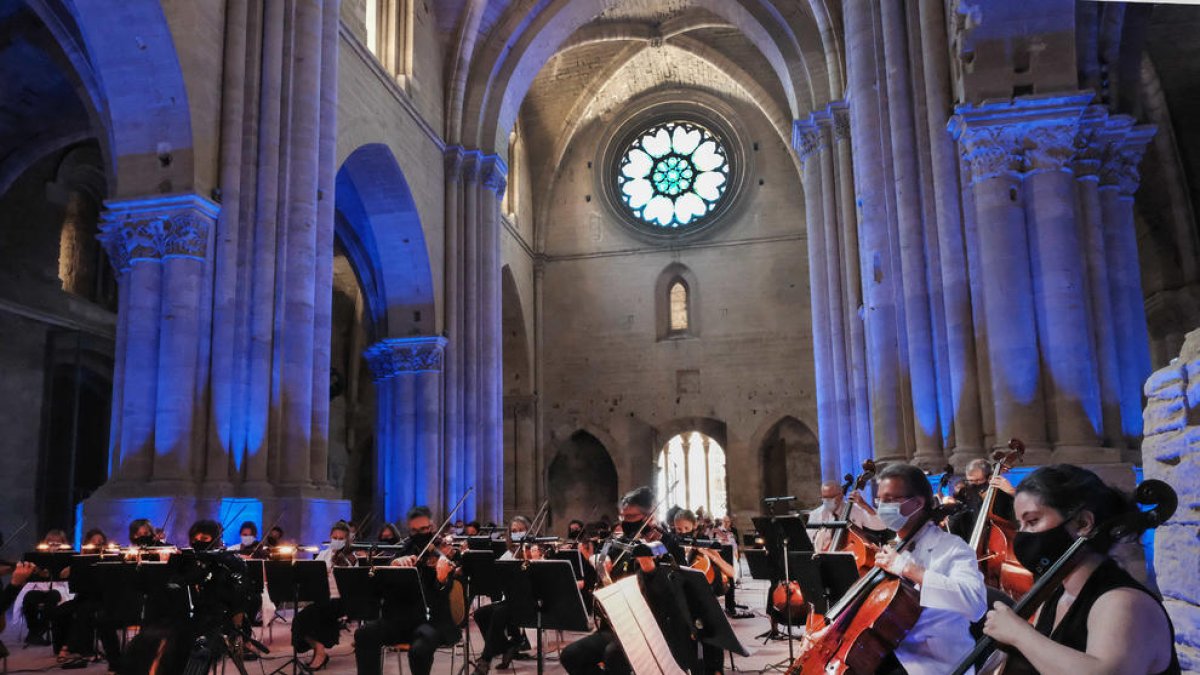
(1100, 620)
(943, 568)
(318, 626)
(399, 623)
(830, 510)
(970, 493)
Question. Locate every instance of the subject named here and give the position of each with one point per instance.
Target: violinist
(274, 537)
(1100, 620)
(575, 530)
(141, 533)
(943, 568)
(832, 505)
(398, 623)
(685, 530)
(970, 493)
(500, 634)
(248, 544)
(635, 507)
(471, 529)
(21, 573)
(95, 541)
(318, 626)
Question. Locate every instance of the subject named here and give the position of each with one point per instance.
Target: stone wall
(1169, 450)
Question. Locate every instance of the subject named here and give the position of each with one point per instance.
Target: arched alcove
(791, 462)
(582, 480)
(520, 470)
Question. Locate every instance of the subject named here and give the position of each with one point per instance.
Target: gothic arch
(517, 355)
(581, 480)
(713, 428)
(790, 461)
(672, 273)
(378, 225)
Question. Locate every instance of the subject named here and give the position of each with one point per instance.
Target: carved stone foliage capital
(1049, 147)
(991, 151)
(156, 228)
(1119, 163)
(391, 357)
(808, 139)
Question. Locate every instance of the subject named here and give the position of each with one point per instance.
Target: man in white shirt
(941, 566)
(831, 509)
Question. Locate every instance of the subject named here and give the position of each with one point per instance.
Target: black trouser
(320, 622)
(730, 602)
(373, 636)
(584, 656)
(37, 608)
(891, 666)
(496, 626)
(714, 658)
(80, 622)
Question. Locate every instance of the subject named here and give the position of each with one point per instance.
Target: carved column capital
(391, 357)
(1119, 164)
(155, 228)
(1049, 147)
(1089, 143)
(989, 151)
(493, 173)
(840, 113)
(808, 138)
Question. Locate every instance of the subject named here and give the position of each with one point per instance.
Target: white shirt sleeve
(953, 581)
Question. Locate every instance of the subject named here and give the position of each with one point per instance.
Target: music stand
(839, 571)
(783, 534)
(714, 627)
(543, 594)
(760, 563)
(53, 562)
(358, 595)
(296, 582)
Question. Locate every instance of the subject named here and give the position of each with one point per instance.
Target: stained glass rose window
(673, 174)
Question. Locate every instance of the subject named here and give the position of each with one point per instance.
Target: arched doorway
(582, 480)
(690, 473)
(791, 462)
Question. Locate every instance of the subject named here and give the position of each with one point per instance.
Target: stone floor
(763, 657)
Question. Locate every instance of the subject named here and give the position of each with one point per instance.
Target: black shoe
(482, 667)
(75, 664)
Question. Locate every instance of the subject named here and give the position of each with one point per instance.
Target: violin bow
(446, 522)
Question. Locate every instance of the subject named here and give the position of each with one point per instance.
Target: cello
(851, 538)
(1155, 493)
(992, 535)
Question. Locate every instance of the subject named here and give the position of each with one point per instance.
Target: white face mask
(893, 519)
(247, 540)
(518, 536)
(829, 503)
(337, 544)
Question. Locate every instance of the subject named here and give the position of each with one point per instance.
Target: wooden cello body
(992, 536)
(849, 539)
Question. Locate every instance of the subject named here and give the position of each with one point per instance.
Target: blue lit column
(491, 474)
(409, 461)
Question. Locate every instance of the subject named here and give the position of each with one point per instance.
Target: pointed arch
(790, 461)
(677, 284)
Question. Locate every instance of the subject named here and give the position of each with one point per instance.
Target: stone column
(1086, 165)
(880, 289)
(1069, 373)
(991, 143)
(1119, 180)
(809, 142)
(455, 480)
(408, 381)
(492, 182)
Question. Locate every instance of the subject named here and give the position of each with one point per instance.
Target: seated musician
(575, 530)
(141, 533)
(399, 623)
(318, 626)
(970, 492)
(685, 529)
(21, 572)
(500, 634)
(471, 529)
(39, 603)
(95, 541)
(832, 508)
(1100, 620)
(943, 568)
(248, 543)
(275, 536)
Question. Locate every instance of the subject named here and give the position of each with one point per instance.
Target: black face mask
(200, 545)
(419, 541)
(574, 533)
(147, 540)
(1037, 551)
(272, 541)
(630, 527)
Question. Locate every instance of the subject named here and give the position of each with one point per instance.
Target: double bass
(992, 535)
(851, 538)
(1155, 493)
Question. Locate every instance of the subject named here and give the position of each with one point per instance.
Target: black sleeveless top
(1072, 631)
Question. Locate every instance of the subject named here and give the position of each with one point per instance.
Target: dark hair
(276, 529)
(388, 527)
(417, 512)
(575, 521)
(137, 525)
(474, 524)
(914, 479)
(684, 514)
(249, 525)
(642, 498)
(205, 526)
(93, 532)
(1069, 489)
(341, 525)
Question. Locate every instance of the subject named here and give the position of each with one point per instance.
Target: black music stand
(782, 534)
(839, 571)
(358, 595)
(760, 564)
(714, 627)
(53, 562)
(543, 594)
(296, 582)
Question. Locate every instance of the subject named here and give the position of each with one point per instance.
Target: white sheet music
(636, 629)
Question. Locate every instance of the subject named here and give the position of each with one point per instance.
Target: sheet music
(636, 628)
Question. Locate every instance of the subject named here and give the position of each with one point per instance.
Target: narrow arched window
(678, 299)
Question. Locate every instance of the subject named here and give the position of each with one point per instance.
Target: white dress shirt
(952, 596)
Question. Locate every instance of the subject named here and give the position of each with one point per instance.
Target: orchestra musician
(943, 568)
(398, 623)
(831, 508)
(685, 530)
(575, 530)
(970, 492)
(1100, 620)
(274, 537)
(500, 634)
(727, 534)
(317, 627)
(248, 544)
(141, 533)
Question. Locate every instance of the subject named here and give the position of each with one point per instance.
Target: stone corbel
(135, 230)
(392, 357)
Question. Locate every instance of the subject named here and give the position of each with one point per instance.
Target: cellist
(943, 568)
(1100, 620)
(977, 479)
(861, 514)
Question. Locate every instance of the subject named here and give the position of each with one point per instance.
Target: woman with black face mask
(1101, 620)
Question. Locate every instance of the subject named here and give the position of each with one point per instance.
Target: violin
(992, 536)
(852, 538)
(1155, 493)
